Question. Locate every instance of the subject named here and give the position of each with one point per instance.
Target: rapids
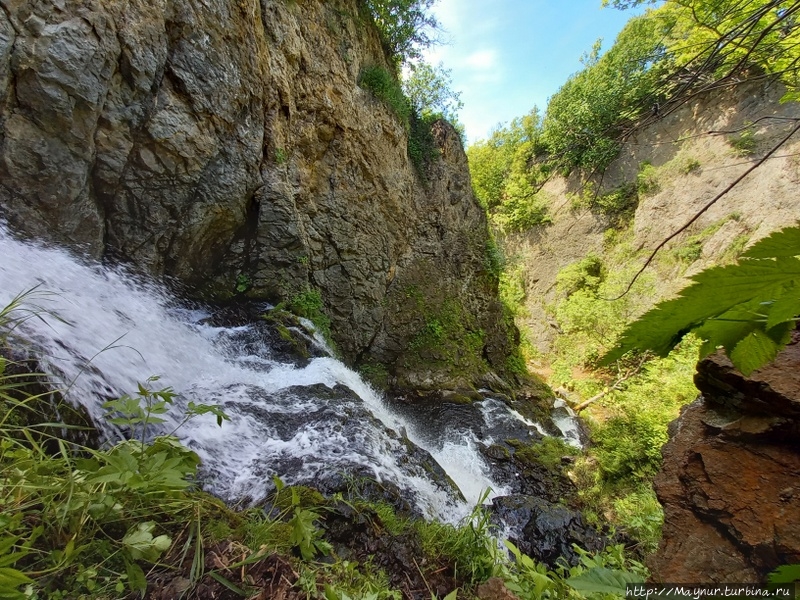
(100, 331)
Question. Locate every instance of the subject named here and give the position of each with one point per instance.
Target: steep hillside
(675, 164)
(229, 146)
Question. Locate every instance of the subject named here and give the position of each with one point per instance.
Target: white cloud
(482, 60)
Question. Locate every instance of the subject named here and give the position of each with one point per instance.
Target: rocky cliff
(678, 160)
(227, 144)
(730, 482)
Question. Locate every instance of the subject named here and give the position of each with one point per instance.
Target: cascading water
(103, 331)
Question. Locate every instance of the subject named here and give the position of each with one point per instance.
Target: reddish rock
(730, 483)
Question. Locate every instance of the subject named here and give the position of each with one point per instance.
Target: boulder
(730, 482)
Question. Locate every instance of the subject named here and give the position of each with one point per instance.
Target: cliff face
(227, 144)
(693, 155)
(729, 484)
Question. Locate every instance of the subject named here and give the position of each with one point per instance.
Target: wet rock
(260, 167)
(494, 589)
(545, 530)
(728, 481)
(270, 332)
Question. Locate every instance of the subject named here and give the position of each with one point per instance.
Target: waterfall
(102, 331)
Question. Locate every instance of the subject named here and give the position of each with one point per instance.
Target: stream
(100, 331)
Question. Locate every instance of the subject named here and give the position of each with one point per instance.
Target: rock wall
(693, 159)
(730, 484)
(227, 144)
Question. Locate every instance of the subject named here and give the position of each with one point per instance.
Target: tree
(430, 92)
(406, 27)
(586, 118)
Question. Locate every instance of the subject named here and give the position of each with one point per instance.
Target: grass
(386, 88)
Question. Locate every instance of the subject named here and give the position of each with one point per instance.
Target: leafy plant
(386, 87)
(243, 283)
(749, 309)
(744, 144)
(647, 180)
(406, 27)
(430, 91)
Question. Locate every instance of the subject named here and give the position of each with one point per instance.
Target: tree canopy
(407, 27)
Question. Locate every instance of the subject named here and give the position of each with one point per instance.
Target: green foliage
(305, 535)
(744, 144)
(386, 87)
(512, 290)
(585, 118)
(547, 452)
(647, 180)
(785, 574)
(689, 165)
(618, 204)
(503, 169)
(494, 259)
(243, 283)
(429, 91)
(406, 27)
(749, 308)
(600, 573)
(309, 305)
(422, 148)
(522, 209)
(585, 274)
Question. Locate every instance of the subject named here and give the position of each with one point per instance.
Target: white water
(103, 331)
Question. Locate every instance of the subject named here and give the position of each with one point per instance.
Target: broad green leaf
(753, 351)
(714, 291)
(785, 574)
(785, 242)
(137, 582)
(784, 308)
(12, 578)
(603, 580)
(140, 542)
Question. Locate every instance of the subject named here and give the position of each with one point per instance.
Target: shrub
(422, 148)
(744, 144)
(647, 180)
(386, 87)
(522, 209)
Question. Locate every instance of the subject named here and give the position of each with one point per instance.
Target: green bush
(647, 180)
(587, 116)
(744, 144)
(522, 209)
(386, 87)
(422, 148)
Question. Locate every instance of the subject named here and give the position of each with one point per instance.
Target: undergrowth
(632, 402)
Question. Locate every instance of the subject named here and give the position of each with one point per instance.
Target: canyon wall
(226, 144)
(679, 160)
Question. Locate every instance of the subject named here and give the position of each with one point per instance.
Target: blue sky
(508, 55)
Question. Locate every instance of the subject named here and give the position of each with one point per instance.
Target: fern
(749, 309)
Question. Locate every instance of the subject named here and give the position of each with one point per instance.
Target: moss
(376, 374)
(548, 452)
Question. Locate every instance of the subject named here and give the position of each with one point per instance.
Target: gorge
(210, 193)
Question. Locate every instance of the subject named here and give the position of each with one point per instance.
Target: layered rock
(227, 144)
(730, 484)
